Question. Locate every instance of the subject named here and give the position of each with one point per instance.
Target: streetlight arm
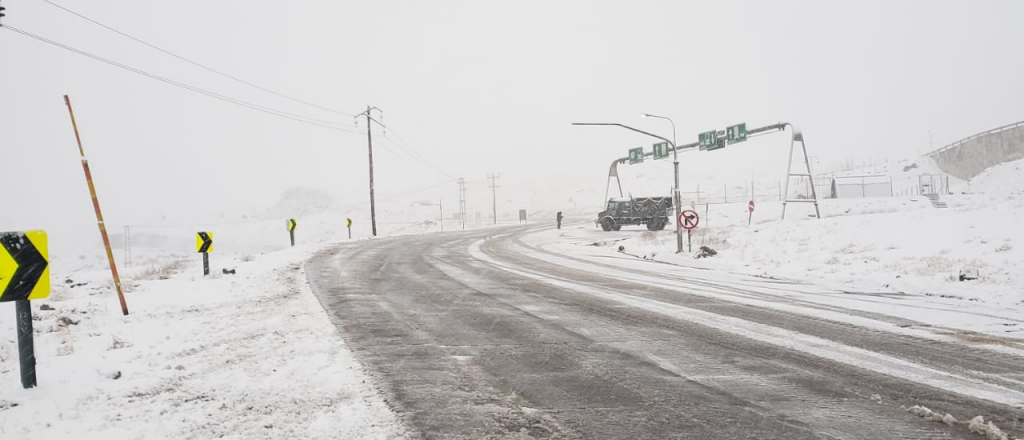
(670, 121)
(629, 128)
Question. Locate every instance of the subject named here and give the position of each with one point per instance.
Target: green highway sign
(736, 133)
(636, 155)
(660, 150)
(708, 140)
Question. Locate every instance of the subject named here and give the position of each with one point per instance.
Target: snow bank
(250, 355)
(1005, 178)
(878, 245)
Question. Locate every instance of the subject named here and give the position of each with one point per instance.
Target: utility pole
(462, 201)
(494, 195)
(369, 146)
(440, 206)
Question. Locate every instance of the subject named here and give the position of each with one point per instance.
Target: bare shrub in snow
(118, 343)
(714, 240)
(854, 248)
(934, 265)
(66, 347)
(1004, 248)
(832, 261)
(248, 259)
(163, 271)
(6, 353)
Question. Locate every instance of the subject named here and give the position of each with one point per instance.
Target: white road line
(797, 341)
(711, 292)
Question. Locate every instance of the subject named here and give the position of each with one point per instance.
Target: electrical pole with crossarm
(369, 145)
(494, 195)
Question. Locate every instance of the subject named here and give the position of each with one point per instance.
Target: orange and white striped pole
(96, 205)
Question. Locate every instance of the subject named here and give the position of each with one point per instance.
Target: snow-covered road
(521, 332)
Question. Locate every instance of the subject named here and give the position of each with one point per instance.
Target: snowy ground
(900, 246)
(250, 355)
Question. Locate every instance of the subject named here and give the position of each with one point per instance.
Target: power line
(194, 63)
(402, 143)
(420, 159)
(239, 102)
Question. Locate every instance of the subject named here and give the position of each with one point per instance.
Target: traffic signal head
(2, 11)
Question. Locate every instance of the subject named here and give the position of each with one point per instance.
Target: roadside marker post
(24, 276)
(96, 207)
(750, 208)
(204, 245)
(689, 219)
(291, 224)
(348, 224)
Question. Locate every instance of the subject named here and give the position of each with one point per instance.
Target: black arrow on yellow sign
(23, 266)
(205, 242)
(292, 224)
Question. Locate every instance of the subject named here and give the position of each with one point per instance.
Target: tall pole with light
(675, 161)
(677, 200)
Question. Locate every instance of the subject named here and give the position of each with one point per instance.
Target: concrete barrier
(968, 157)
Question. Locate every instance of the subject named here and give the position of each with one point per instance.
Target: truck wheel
(607, 224)
(617, 227)
(652, 225)
(662, 223)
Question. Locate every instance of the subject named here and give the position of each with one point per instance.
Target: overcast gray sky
(474, 87)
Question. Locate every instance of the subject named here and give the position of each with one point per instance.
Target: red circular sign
(751, 207)
(688, 219)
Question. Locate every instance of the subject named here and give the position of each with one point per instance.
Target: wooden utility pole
(494, 195)
(369, 147)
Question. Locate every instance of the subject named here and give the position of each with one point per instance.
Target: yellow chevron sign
(204, 242)
(292, 224)
(24, 266)
(348, 222)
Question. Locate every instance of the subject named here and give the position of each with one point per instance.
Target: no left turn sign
(688, 219)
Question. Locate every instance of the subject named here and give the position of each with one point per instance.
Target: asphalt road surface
(479, 334)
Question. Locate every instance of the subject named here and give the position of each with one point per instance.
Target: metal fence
(969, 138)
(933, 184)
(731, 193)
(847, 187)
(826, 187)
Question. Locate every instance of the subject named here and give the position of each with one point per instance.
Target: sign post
(204, 245)
(291, 224)
(26, 346)
(689, 219)
(348, 224)
(750, 208)
(24, 276)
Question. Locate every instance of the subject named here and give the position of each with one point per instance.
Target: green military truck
(654, 212)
